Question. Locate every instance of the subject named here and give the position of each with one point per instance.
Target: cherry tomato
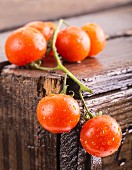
(101, 136)
(46, 28)
(58, 113)
(97, 38)
(73, 44)
(25, 45)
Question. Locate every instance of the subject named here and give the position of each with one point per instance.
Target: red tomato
(73, 44)
(97, 38)
(46, 28)
(58, 113)
(25, 45)
(101, 136)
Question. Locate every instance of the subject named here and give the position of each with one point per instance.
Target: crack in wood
(41, 92)
(120, 34)
(127, 130)
(3, 64)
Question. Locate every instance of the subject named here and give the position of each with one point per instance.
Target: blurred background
(14, 13)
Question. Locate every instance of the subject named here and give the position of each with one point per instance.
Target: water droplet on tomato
(102, 149)
(102, 132)
(86, 141)
(93, 143)
(109, 142)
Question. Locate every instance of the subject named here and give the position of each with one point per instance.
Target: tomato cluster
(29, 43)
(58, 113)
(100, 136)
(75, 44)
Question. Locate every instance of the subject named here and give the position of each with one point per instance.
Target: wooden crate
(24, 145)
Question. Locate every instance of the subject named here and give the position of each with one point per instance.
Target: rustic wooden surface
(15, 13)
(69, 156)
(25, 145)
(109, 75)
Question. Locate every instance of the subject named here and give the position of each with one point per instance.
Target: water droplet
(86, 141)
(109, 142)
(102, 132)
(93, 143)
(102, 149)
(122, 162)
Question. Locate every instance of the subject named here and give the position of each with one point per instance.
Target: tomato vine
(64, 69)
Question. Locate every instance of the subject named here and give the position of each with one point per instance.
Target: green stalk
(35, 65)
(89, 115)
(64, 69)
(64, 90)
(61, 67)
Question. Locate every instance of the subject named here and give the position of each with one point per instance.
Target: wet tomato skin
(58, 113)
(101, 136)
(46, 28)
(73, 44)
(25, 45)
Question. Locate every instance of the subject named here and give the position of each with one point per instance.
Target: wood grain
(119, 106)
(25, 144)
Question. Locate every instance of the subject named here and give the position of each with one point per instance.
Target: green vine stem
(89, 115)
(64, 69)
(64, 90)
(59, 64)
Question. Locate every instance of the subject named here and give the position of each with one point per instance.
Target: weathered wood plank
(31, 147)
(119, 106)
(22, 11)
